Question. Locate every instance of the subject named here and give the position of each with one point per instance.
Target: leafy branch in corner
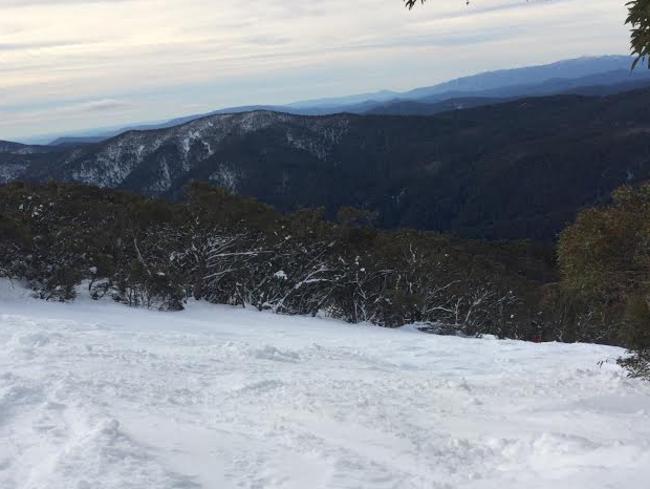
(639, 18)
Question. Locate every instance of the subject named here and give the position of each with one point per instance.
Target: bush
(605, 265)
(226, 249)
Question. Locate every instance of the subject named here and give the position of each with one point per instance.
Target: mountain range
(517, 169)
(588, 75)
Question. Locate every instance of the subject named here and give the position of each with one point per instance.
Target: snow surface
(96, 395)
(11, 171)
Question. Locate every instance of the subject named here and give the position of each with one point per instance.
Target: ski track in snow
(96, 395)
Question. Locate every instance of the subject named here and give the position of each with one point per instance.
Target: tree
(222, 248)
(638, 18)
(605, 263)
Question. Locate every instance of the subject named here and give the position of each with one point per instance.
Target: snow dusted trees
(226, 249)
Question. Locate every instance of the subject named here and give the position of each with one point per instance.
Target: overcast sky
(67, 65)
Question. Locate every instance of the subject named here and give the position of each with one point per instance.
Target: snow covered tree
(226, 249)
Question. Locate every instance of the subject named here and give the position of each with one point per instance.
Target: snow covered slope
(95, 395)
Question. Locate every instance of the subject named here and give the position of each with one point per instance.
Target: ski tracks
(223, 398)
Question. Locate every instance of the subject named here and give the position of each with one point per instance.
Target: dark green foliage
(70, 233)
(226, 249)
(517, 170)
(636, 333)
(605, 265)
(639, 18)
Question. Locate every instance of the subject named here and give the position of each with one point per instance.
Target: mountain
(609, 82)
(413, 107)
(22, 149)
(501, 79)
(568, 76)
(519, 169)
(76, 141)
(602, 84)
(332, 102)
(9, 147)
(16, 159)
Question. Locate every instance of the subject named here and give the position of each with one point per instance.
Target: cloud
(4, 46)
(67, 108)
(165, 55)
(74, 114)
(100, 105)
(29, 3)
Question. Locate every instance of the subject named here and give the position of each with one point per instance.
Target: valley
(513, 170)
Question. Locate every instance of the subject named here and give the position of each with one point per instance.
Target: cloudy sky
(68, 65)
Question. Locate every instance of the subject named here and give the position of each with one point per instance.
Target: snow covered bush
(227, 249)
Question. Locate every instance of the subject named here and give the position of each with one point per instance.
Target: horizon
(111, 131)
(68, 81)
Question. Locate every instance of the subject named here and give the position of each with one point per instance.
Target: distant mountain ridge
(24, 149)
(566, 69)
(600, 74)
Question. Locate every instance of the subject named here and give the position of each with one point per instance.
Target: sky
(72, 65)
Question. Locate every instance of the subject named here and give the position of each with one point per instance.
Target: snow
(172, 153)
(226, 177)
(96, 395)
(11, 171)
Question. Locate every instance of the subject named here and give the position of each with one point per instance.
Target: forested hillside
(521, 169)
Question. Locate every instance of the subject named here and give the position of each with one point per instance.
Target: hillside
(513, 170)
(218, 397)
(22, 149)
(595, 85)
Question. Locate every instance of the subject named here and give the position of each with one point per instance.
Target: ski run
(95, 395)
